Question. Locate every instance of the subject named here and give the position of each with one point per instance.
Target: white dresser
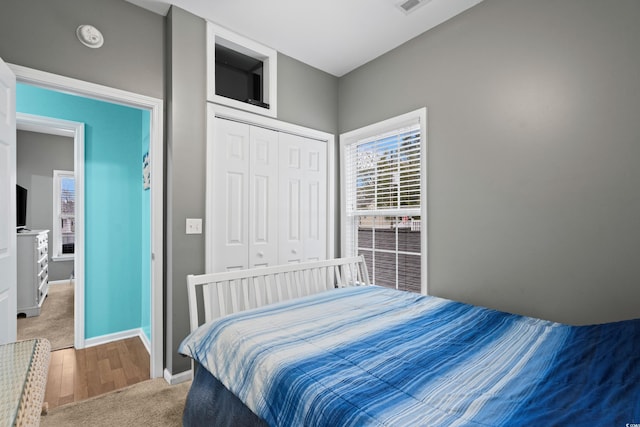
(33, 271)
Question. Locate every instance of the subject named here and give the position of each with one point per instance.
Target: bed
(316, 345)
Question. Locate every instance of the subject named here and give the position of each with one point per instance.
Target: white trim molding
(174, 379)
(411, 118)
(155, 107)
(66, 257)
(131, 333)
(59, 282)
(145, 341)
(104, 339)
(268, 56)
(75, 130)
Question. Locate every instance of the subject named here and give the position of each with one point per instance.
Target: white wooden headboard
(230, 292)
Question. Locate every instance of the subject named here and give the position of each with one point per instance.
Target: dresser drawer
(43, 250)
(43, 263)
(44, 286)
(42, 240)
(42, 274)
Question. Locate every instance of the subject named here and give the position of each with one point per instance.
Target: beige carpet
(55, 322)
(149, 403)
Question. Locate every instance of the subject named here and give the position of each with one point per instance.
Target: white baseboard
(58, 282)
(177, 378)
(104, 339)
(145, 340)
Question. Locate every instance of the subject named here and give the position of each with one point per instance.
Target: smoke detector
(408, 6)
(90, 36)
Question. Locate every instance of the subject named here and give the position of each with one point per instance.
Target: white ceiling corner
(159, 7)
(335, 36)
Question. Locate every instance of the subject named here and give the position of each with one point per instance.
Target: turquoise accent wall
(115, 205)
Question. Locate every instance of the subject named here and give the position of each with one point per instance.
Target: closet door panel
(232, 220)
(303, 197)
(290, 243)
(263, 197)
(315, 216)
(230, 227)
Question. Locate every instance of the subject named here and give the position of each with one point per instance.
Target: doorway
(45, 148)
(153, 108)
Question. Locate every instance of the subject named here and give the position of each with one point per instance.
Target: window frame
(396, 123)
(58, 176)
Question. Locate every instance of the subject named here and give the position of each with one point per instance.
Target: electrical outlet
(194, 225)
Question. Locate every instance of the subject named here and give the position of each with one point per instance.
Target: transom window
(383, 208)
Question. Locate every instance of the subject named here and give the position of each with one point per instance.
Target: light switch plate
(194, 225)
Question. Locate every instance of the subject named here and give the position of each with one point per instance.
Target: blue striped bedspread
(373, 356)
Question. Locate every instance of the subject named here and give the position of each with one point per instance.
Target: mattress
(374, 356)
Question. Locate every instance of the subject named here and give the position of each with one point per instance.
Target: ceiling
(335, 36)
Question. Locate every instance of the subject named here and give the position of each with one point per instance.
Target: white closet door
(230, 227)
(263, 197)
(302, 199)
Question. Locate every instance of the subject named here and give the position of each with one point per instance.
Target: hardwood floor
(76, 375)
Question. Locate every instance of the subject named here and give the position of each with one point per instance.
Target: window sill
(66, 257)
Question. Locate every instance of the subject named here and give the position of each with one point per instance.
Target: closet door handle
(293, 251)
(260, 254)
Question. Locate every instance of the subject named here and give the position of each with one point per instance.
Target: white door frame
(75, 130)
(156, 151)
(8, 253)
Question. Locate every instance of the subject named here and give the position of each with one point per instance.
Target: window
(64, 201)
(383, 208)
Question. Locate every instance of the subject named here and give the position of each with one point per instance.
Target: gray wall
(185, 171)
(534, 144)
(37, 156)
(533, 133)
(40, 34)
(133, 59)
(186, 140)
(307, 96)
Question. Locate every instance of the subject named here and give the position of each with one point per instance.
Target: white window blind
(383, 174)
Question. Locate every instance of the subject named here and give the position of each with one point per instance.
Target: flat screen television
(21, 207)
(239, 76)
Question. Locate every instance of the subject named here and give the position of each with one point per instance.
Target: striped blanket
(372, 356)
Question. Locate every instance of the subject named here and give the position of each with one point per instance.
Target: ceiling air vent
(408, 6)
